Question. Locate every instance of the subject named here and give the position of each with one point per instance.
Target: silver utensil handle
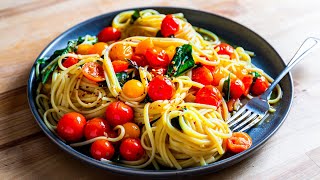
(303, 50)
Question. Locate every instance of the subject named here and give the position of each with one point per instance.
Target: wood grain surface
(27, 26)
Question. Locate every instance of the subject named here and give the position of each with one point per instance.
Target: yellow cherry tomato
(133, 88)
(131, 130)
(143, 46)
(120, 52)
(83, 49)
(98, 48)
(171, 51)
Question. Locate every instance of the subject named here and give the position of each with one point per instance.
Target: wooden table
(27, 26)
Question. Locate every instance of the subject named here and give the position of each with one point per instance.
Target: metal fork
(257, 108)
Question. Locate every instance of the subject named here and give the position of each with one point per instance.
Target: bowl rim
(213, 167)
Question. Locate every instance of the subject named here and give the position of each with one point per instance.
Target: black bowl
(266, 58)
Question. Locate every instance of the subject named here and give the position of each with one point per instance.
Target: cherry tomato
(171, 51)
(211, 68)
(120, 66)
(224, 49)
(202, 75)
(102, 149)
(230, 104)
(132, 130)
(98, 48)
(109, 34)
(139, 59)
(93, 71)
(157, 57)
(120, 52)
(238, 142)
(236, 89)
(84, 49)
(114, 134)
(71, 126)
(133, 88)
(160, 88)
(259, 86)
(118, 113)
(169, 26)
(158, 72)
(96, 127)
(218, 75)
(247, 81)
(209, 95)
(131, 149)
(69, 62)
(143, 46)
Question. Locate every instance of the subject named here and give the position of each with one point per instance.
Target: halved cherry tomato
(143, 46)
(209, 95)
(120, 65)
(133, 88)
(109, 34)
(158, 72)
(131, 130)
(70, 61)
(102, 149)
(160, 88)
(157, 57)
(238, 142)
(247, 81)
(71, 126)
(139, 59)
(224, 49)
(259, 86)
(169, 26)
(218, 75)
(98, 48)
(93, 71)
(96, 127)
(236, 89)
(202, 75)
(83, 49)
(118, 113)
(120, 52)
(131, 149)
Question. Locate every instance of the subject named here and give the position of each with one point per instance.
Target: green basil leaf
(182, 61)
(226, 88)
(135, 16)
(122, 77)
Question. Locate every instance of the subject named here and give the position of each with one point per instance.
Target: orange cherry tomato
(93, 71)
(96, 127)
(209, 95)
(171, 51)
(142, 47)
(139, 59)
(102, 149)
(120, 52)
(224, 49)
(120, 66)
(217, 76)
(71, 126)
(230, 104)
(118, 113)
(132, 130)
(98, 48)
(157, 57)
(160, 88)
(238, 142)
(236, 89)
(169, 26)
(202, 75)
(131, 149)
(259, 86)
(109, 34)
(83, 49)
(70, 61)
(247, 81)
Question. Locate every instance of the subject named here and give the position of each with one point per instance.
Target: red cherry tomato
(109, 34)
(209, 95)
(69, 62)
(238, 142)
(157, 57)
(139, 59)
(102, 149)
(120, 66)
(96, 127)
(225, 49)
(169, 26)
(259, 86)
(236, 89)
(93, 71)
(160, 88)
(158, 72)
(202, 75)
(247, 81)
(71, 126)
(118, 113)
(131, 149)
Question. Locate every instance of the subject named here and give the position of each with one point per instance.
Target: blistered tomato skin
(131, 130)
(160, 88)
(202, 75)
(71, 126)
(131, 149)
(118, 113)
(236, 89)
(96, 127)
(169, 26)
(209, 95)
(102, 149)
(157, 57)
(120, 52)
